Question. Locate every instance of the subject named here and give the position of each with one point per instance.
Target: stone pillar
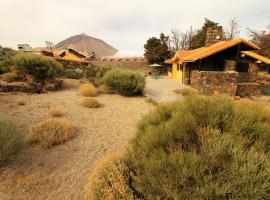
(230, 65)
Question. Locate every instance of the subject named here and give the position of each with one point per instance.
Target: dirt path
(61, 172)
(162, 90)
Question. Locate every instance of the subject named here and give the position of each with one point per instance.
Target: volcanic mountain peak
(86, 45)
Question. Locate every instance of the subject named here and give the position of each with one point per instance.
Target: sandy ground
(162, 90)
(62, 172)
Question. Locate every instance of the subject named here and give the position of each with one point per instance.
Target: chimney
(213, 35)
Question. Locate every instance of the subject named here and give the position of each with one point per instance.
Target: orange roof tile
(257, 56)
(204, 52)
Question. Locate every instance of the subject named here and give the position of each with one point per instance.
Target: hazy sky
(124, 24)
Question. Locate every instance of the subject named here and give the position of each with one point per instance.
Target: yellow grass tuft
(88, 90)
(103, 89)
(56, 112)
(186, 91)
(89, 102)
(109, 180)
(51, 132)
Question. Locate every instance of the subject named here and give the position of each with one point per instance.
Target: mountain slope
(86, 44)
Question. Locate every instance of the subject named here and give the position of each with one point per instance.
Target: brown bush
(88, 90)
(186, 91)
(109, 180)
(103, 89)
(10, 77)
(89, 102)
(51, 132)
(56, 112)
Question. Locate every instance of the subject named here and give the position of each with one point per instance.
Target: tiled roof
(204, 52)
(257, 56)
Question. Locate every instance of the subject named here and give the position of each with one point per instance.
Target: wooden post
(237, 56)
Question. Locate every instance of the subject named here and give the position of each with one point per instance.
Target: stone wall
(247, 77)
(210, 81)
(230, 65)
(248, 89)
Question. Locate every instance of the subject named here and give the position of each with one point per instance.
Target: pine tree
(156, 49)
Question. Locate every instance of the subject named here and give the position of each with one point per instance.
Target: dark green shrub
(6, 65)
(73, 74)
(11, 140)
(265, 90)
(125, 82)
(97, 70)
(40, 67)
(6, 59)
(202, 148)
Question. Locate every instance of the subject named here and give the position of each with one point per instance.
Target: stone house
(224, 66)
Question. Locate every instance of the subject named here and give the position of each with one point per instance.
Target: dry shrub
(202, 148)
(11, 140)
(186, 91)
(103, 89)
(51, 132)
(89, 102)
(10, 77)
(88, 90)
(109, 180)
(56, 112)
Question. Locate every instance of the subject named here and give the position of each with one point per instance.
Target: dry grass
(108, 181)
(186, 91)
(51, 132)
(56, 112)
(88, 90)
(9, 77)
(103, 89)
(89, 102)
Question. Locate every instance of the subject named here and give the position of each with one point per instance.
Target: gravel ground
(162, 90)
(62, 171)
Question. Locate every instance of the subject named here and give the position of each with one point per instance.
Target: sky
(124, 24)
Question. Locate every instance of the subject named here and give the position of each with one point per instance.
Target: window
(179, 67)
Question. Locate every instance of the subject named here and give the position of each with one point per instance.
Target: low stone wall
(247, 77)
(18, 87)
(263, 78)
(24, 87)
(248, 89)
(210, 81)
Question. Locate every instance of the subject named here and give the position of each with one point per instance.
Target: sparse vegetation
(56, 112)
(186, 91)
(51, 132)
(97, 70)
(6, 59)
(89, 102)
(40, 67)
(73, 74)
(265, 90)
(125, 82)
(103, 89)
(109, 180)
(10, 77)
(194, 150)
(11, 140)
(88, 90)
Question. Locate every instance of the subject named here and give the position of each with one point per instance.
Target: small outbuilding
(224, 66)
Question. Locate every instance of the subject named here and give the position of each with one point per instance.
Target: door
(177, 72)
